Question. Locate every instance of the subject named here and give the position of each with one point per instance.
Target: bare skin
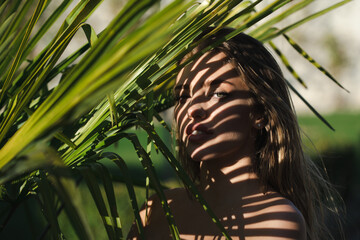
(218, 125)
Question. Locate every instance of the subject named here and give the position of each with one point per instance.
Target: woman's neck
(228, 181)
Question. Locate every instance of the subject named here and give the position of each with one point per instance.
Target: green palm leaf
(312, 61)
(130, 187)
(94, 188)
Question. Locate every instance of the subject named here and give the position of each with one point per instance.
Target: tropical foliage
(52, 138)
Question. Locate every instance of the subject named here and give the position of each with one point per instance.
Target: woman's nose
(196, 111)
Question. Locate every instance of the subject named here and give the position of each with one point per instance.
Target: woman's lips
(197, 133)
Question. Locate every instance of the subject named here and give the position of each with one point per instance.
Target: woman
(238, 138)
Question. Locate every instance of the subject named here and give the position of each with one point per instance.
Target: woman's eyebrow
(180, 86)
(217, 81)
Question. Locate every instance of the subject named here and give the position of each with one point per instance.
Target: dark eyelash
(224, 94)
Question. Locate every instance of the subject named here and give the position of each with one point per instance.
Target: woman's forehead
(210, 66)
(206, 70)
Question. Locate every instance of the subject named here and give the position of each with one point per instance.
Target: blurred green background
(339, 150)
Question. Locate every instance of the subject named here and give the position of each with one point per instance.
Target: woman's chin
(199, 157)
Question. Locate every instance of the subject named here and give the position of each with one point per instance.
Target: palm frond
(66, 190)
(312, 61)
(93, 186)
(284, 30)
(130, 187)
(285, 61)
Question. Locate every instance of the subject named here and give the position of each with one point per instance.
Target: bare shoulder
(154, 212)
(273, 216)
(153, 216)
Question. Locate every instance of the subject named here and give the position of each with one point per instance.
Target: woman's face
(212, 110)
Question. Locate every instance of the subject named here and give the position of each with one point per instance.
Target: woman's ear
(259, 122)
(258, 118)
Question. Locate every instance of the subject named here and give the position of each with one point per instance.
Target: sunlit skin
(212, 110)
(218, 123)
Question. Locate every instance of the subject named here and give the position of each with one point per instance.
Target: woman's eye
(220, 94)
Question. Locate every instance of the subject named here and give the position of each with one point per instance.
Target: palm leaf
(285, 61)
(151, 173)
(312, 61)
(57, 105)
(46, 26)
(270, 36)
(65, 188)
(263, 28)
(130, 187)
(48, 196)
(94, 188)
(31, 24)
(309, 106)
(110, 195)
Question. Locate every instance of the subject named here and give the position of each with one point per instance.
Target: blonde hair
(280, 162)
